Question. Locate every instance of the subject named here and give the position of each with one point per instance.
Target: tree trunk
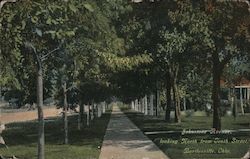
(234, 103)
(99, 110)
(184, 104)
(92, 111)
(80, 116)
(241, 101)
(157, 97)
(132, 105)
(177, 104)
(139, 105)
(168, 98)
(104, 107)
(88, 115)
(151, 103)
(41, 138)
(142, 105)
(216, 91)
(248, 94)
(146, 105)
(176, 101)
(65, 113)
(136, 105)
(79, 123)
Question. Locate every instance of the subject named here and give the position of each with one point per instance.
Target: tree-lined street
(163, 58)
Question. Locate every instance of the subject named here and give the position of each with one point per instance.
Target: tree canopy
(107, 48)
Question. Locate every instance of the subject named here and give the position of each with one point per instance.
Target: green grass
(22, 139)
(176, 151)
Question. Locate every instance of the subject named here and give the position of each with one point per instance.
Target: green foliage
(114, 40)
(172, 46)
(44, 25)
(237, 69)
(116, 63)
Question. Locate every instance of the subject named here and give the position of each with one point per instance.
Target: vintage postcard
(124, 79)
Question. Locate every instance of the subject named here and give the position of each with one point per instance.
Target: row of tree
(61, 47)
(88, 51)
(191, 43)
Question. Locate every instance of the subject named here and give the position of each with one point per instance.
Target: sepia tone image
(124, 79)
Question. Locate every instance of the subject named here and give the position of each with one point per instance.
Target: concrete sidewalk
(123, 140)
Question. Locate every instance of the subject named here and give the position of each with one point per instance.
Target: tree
(41, 138)
(66, 81)
(2, 2)
(100, 52)
(219, 29)
(41, 31)
(229, 38)
(171, 51)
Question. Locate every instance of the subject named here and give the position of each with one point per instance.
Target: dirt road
(29, 115)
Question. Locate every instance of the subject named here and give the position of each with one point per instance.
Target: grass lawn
(22, 139)
(189, 146)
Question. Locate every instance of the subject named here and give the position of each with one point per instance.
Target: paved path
(123, 140)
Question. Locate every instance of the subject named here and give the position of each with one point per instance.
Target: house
(238, 93)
